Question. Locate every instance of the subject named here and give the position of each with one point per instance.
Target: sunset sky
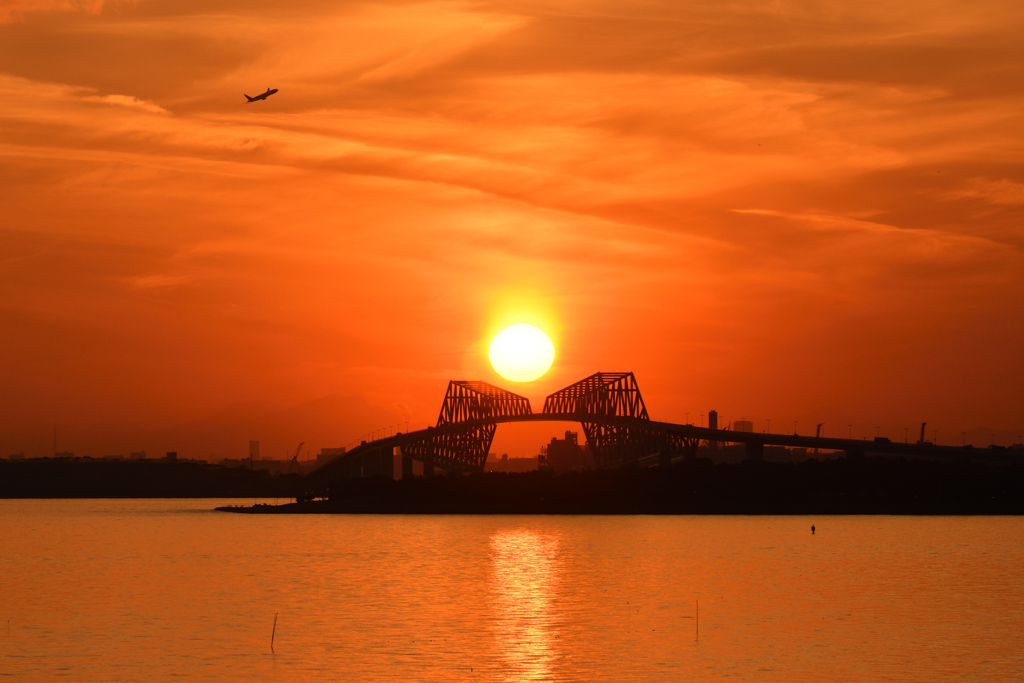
(805, 211)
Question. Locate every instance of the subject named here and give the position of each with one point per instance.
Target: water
(168, 590)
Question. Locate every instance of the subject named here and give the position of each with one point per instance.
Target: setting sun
(521, 353)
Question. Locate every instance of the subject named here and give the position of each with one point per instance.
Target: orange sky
(803, 211)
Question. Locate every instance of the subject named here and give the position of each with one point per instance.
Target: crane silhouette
(295, 460)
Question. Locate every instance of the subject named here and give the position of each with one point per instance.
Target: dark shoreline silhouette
(86, 478)
(838, 486)
(866, 485)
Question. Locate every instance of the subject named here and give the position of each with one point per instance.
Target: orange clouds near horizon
(794, 211)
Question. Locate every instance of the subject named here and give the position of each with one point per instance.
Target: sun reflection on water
(524, 577)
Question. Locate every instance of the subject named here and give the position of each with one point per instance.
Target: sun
(521, 353)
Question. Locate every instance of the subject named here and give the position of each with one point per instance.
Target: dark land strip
(837, 486)
(87, 478)
(864, 485)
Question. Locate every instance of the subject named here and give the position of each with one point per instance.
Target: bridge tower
(465, 428)
(609, 405)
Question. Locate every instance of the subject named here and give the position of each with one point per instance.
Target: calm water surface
(144, 590)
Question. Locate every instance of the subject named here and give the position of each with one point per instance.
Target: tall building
(743, 426)
(565, 455)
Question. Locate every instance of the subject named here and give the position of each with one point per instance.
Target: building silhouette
(566, 455)
(326, 454)
(507, 464)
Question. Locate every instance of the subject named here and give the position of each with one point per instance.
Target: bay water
(170, 590)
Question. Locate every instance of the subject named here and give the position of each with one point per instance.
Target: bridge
(610, 409)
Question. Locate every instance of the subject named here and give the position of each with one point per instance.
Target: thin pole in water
(273, 633)
(696, 635)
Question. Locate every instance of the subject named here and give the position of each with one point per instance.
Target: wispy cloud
(126, 101)
(13, 10)
(159, 280)
(819, 221)
(1006, 192)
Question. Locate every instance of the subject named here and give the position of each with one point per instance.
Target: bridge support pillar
(380, 462)
(350, 470)
(428, 470)
(406, 467)
(755, 451)
(370, 464)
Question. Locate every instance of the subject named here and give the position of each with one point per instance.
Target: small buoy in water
(812, 530)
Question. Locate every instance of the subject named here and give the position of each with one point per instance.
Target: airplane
(261, 96)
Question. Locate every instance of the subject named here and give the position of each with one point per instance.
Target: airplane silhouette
(261, 96)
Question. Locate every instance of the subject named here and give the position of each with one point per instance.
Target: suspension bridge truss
(614, 418)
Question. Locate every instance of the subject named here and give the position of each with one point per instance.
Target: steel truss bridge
(615, 422)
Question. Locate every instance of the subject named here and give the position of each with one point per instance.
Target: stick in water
(273, 632)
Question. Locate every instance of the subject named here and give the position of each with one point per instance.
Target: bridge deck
(720, 436)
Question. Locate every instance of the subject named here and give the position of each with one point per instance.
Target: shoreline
(859, 486)
(843, 486)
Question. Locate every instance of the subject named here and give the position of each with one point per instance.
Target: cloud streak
(13, 10)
